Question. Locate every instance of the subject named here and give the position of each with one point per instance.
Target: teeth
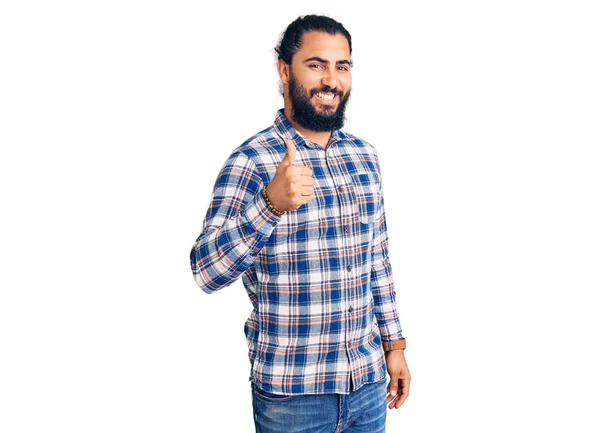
(326, 96)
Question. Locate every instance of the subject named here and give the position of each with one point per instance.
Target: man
(297, 211)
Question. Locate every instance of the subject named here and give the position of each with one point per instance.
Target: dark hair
(291, 40)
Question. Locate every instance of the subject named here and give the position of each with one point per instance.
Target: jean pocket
(270, 397)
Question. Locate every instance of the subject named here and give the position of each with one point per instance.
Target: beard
(305, 113)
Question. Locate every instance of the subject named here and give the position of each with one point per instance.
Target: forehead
(321, 44)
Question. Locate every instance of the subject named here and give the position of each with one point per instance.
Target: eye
(343, 68)
(314, 65)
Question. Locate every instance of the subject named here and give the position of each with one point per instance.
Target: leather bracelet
(394, 345)
(264, 194)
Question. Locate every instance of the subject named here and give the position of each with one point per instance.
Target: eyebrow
(318, 59)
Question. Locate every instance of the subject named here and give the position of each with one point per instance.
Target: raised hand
(292, 185)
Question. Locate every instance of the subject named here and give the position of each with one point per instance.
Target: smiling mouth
(327, 98)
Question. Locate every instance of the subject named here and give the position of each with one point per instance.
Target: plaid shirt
(319, 277)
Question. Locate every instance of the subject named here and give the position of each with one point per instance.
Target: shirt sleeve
(382, 281)
(237, 225)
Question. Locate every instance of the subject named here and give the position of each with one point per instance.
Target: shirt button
(346, 229)
(351, 309)
(349, 268)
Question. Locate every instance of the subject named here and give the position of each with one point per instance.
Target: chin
(326, 109)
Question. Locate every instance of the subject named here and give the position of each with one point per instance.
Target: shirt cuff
(258, 217)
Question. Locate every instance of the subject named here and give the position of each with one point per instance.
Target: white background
(116, 116)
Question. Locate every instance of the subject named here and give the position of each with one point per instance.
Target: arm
(384, 297)
(237, 225)
(382, 281)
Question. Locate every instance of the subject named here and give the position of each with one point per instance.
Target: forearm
(384, 299)
(382, 280)
(223, 253)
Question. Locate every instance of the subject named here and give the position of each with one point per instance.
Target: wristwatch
(394, 345)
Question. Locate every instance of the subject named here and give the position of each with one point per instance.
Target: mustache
(326, 90)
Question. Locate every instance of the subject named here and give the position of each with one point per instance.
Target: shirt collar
(286, 131)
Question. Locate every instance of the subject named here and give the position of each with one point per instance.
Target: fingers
(301, 170)
(393, 396)
(398, 390)
(307, 191)
(393, 385)
(389, 397)
(305, 170)
(307, 180)
(402, 396)
(290, 156)
(303, 174)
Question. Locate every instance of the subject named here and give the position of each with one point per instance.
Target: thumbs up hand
(292, 185)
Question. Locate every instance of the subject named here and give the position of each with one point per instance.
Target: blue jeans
(363, 410)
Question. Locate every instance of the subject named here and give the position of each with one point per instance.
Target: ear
(284, 71)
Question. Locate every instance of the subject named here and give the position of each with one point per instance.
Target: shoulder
(256, 154)
(258, 146)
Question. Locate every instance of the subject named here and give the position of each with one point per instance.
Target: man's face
(320, 81)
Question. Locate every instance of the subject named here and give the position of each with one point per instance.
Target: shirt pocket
(366, 188)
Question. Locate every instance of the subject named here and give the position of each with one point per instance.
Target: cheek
(307, 79)
(347, 83)
(313, 84)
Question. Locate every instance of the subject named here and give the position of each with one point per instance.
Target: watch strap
(394, 345)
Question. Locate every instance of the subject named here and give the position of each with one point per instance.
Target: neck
(321, 138)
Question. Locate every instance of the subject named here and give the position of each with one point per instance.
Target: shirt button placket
(346, 241)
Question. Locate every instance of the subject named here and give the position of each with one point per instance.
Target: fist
(292, 185)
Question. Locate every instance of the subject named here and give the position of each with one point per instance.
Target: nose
(330, 78)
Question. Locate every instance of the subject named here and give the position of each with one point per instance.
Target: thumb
(289, 157)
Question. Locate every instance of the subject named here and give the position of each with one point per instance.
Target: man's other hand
(399, 385)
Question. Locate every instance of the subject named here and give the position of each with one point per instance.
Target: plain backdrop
(116, 116)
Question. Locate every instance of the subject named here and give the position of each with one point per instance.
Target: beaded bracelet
(264, 194)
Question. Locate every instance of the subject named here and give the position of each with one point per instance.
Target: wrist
(389, 346)
(269, 203)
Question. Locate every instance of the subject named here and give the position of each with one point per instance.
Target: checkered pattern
(319, 277)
